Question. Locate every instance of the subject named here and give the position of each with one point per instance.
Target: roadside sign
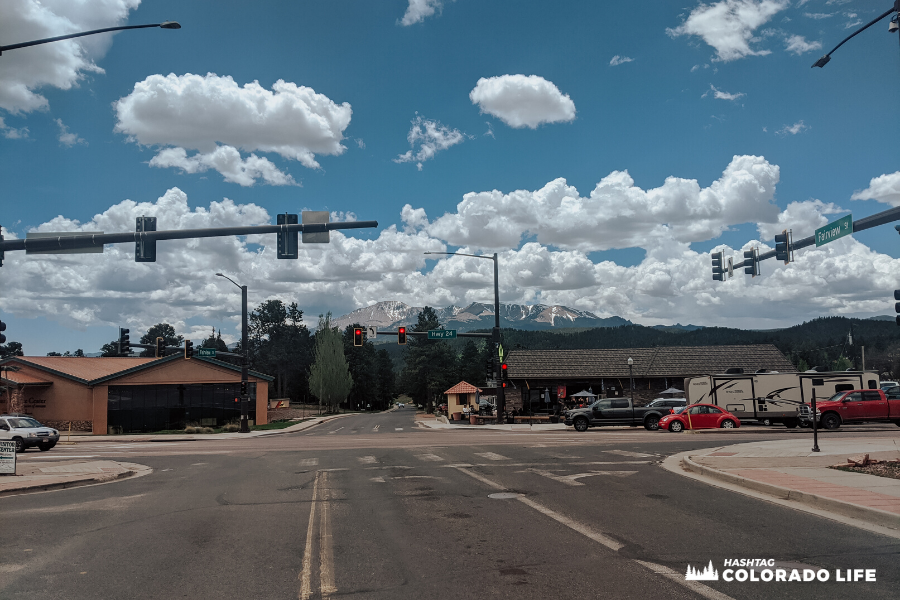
(371, 331)
(441, 334)
(834, 230)
(7, 457)
(207, 352)
(500, 352)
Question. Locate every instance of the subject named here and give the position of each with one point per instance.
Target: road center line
(326, 557)
(694, 586)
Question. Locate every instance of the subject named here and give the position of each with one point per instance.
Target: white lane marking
(629, 453)
(336, 430)
(571, 479)
(491, 456)
(376, 428)
(309, 462)
(694, 586)
(699, 588)
(416, 477)
(197, 464)
(366, 460)
(326, 556)
(58, 457)
(306, 572)
(429, 457)
(398, 429)
(377, 479)
(570, 523)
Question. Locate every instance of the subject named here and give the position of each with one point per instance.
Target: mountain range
(535, 317)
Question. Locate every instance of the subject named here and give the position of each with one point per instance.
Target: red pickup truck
(854, 406)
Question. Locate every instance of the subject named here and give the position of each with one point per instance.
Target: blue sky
(705, 123)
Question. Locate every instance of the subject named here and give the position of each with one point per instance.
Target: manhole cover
(503, 495)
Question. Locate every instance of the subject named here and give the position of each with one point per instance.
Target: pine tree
(329, 377)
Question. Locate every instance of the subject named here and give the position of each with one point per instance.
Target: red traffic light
(401, 335)
(357, 337)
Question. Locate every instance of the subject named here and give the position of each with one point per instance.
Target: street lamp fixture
(245, 395)
(891, 28)
(495, 332)
(163, 25)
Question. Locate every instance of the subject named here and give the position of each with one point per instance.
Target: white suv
(26, 432)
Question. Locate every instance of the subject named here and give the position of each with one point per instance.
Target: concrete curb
(134, 470)
(875, 516)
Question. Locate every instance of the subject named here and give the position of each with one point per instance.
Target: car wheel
(581, 424)
(651, 423)
(676, 427)
(767, 421)
(20, 445)
(831, 421)
(44, 447)
(727, 424)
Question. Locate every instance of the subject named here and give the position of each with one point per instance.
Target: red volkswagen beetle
(699, 416)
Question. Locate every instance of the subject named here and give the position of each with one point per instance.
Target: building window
(143, 408)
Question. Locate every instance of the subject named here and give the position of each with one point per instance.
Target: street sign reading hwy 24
(441, 334)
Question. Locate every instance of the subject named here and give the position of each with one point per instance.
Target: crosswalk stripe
(309, 462)
(629, 453)
(366, 460)
(430, 457)
(491, 456)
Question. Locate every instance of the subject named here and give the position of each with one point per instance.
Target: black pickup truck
(616, 411)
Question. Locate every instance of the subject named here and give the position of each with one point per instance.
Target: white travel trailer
(775, 397)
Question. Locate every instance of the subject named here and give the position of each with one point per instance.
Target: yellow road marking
(326, 557)
(306, 573)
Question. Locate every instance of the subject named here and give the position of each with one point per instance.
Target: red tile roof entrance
(463, 388)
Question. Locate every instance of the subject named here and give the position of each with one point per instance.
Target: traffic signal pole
(501, 391)
(245, 386)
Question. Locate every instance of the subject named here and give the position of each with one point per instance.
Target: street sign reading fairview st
(834, 230)
(441, 334)
(207, 352)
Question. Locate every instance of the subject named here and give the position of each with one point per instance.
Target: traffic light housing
(718, 266)
(401, 335)
(504, 374)
(288, 246)
(2, 329)
(753, 256)
(160, 347)
(896, 305)
(783, 247)
(357, 336)
(124, 341)
(244, 388)
(188, 349)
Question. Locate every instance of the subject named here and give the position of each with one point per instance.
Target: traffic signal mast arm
(869, 222)
(425, 334)
(77, 242)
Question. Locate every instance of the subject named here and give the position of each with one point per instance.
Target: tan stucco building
(461, 395)
(122, 395)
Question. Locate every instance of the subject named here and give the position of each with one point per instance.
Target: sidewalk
(789, 473)
(432, 422)
(33, 477)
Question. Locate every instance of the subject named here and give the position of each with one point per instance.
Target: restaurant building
(109, 395)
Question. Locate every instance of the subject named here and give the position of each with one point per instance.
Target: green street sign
(441, 334)
(207, 352)
(834, 230)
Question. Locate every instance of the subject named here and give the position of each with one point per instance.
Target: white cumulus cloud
(427, 138)
(884, 188)
(61, 64)
(619, 60)
(728, 25)
(418, 10)
(794, 129)
(218, 119)
(66, 137)
(720, 95)
(522, 101)
(797, 44)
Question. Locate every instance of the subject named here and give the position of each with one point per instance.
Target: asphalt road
(369, 506)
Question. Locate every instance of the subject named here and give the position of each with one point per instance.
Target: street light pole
(631, 377)
(245, 386)
(163, 25)
(495, 332)
(894, 9)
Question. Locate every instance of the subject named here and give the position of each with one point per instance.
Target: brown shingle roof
(86, 368)
(23, 378)
(668, 361)
(463, 388)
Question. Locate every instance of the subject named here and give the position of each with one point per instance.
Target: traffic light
(288, 246)
(718, 266)
(188, 349)
(783, 247)
(896, 306)
(243, 388)
(357, 336)
(753, 257)
(160, 347)
(489, 370)
(124, 342)
(401, 335)
(144, 249)
(2, 329)
(504, 374)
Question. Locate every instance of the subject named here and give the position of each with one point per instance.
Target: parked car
(855, 406)
(667, 403)
(886, 385)
(615, 411)
(26, 432)
(699, 416)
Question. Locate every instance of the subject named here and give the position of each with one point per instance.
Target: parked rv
(776, 397)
